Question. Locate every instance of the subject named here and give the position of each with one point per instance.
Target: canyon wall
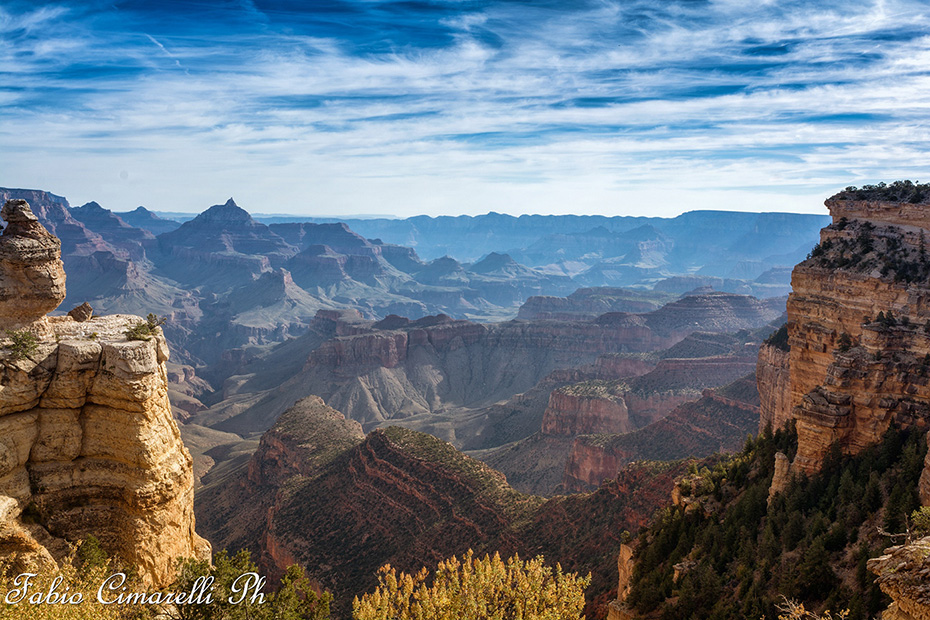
(857, 331)
(88, 445)
(320, 494)
(772, 375)
(597, 409)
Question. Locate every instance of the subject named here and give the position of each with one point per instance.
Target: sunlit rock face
(32, 276)
(88, 445)
(858, 331)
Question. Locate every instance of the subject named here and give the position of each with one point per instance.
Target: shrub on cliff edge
(144, 330)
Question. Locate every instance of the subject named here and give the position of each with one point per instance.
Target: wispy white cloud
(602, 106)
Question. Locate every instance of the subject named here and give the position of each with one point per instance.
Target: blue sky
(340, 107)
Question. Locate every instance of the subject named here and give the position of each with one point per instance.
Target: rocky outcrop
(32, 276)
(904, 575)
(617, 610)
(782, 475)
(586, 304)
(301, 441)
(82, 313)
(598, 408)
(856, 319)
(717, 422)
(772, 373)
(716, 312)
(87, 442)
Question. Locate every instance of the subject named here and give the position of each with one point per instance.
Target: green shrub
(779, 338)
(144, 330)
(477, 589)
(24, 343)
(920, 521)
(294, 598)
(844, 342)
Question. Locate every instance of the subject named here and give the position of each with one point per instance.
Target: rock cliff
(857, 316)
(772, 375)
(583, 409)
(88, 445)
(32, 276)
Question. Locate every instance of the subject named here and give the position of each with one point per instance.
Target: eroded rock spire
(32, 276)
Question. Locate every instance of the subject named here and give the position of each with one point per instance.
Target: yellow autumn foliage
(476, 589)
(70, 584)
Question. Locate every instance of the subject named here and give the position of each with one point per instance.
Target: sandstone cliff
(856, 330)
(586, 408)
(88, 445)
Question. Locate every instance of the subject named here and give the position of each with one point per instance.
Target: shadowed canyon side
(858, 331)
(88, 445)
(633, 401)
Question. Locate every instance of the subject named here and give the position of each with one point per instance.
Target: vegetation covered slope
(411, 500)
(722, 552)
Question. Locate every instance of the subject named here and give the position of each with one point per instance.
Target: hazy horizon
(449, 107)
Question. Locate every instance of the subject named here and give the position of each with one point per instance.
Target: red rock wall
(569, 415)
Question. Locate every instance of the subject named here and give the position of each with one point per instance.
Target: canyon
(346, 403)
(316, 491)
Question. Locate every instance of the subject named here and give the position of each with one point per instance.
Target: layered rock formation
(396, 368)
(88, 443)
(856, 330)
(718, 421)
(587, 408)
(773, 377)
(32, 276)
(590, 303)
(617, 610)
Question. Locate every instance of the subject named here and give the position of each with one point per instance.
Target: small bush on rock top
(144, 330)
(920, 521)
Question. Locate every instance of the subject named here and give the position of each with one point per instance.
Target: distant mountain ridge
(469, 238)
